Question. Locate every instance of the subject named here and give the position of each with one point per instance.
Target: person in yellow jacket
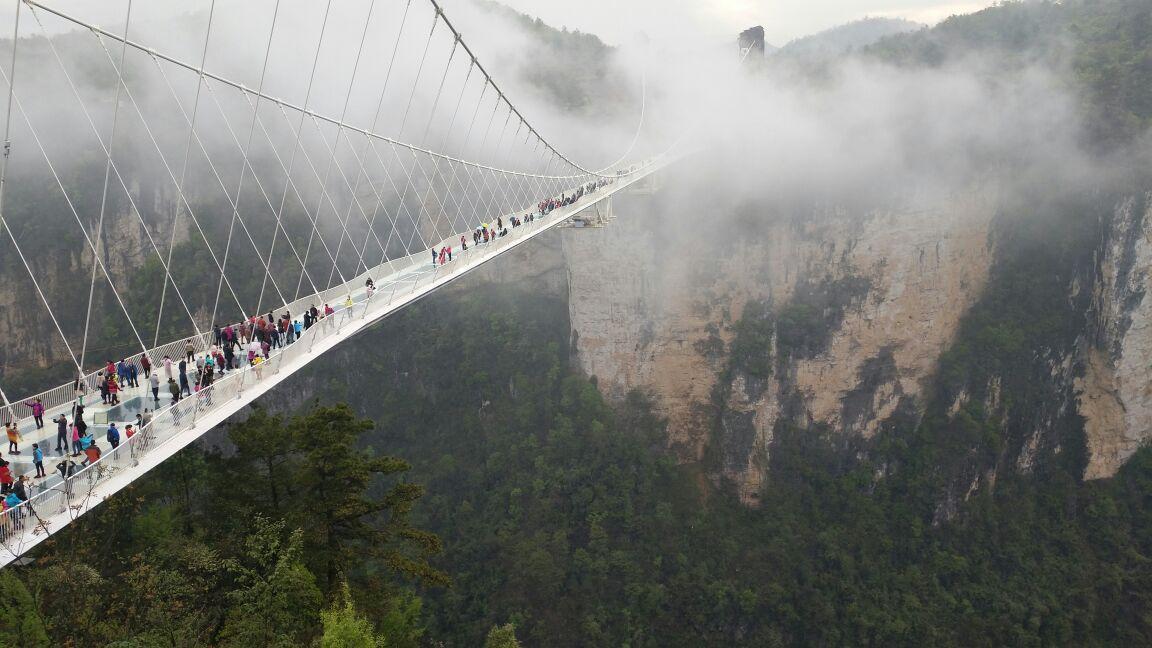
(13, 437)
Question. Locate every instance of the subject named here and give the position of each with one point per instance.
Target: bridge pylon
(597, 215)
(649, 185)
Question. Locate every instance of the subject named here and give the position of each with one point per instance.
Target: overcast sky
(618, 20)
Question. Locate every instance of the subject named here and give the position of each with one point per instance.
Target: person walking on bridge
(38, 461)
(184, 388)
(168, 367)
(113, 435)
(154, 383)
(146, 365)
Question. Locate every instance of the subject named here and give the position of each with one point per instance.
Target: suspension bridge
(377, 184)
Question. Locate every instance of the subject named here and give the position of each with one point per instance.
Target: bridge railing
(76, 492)
(68, 392)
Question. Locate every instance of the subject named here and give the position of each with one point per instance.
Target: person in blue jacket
(113, 435)
(38, 460)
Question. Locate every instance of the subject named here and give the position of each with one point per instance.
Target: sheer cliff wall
(653, 304)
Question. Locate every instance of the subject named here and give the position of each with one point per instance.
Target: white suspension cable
(104, 193)
(336, 146)
(244, 168)
(500, 93)
(183, 175)
(296, 144)
(404, 123)
(76, 214)
(639, 125)
(368, 142)
(123, 185)
(96, 133)
(4, 175)
(240, 86)
(325, 194)
(234, 203)
(448, 135)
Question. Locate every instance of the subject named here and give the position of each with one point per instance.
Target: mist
(761, 138)
(863, 126)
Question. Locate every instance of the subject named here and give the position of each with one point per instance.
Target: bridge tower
(597, 215)
(648, 186)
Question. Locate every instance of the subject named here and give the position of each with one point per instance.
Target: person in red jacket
(91, 454)
(113, 390)
(5, 477)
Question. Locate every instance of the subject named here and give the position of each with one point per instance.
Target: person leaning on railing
(66, 468)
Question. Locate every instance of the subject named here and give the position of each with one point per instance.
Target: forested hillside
(561, 514)
(1103, 46)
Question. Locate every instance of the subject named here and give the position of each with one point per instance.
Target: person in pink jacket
(37, 412)
(75, 439)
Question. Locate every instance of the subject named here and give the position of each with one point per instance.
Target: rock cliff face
(655, 310)
(1115, 391)
(649, 312)
(63, 267)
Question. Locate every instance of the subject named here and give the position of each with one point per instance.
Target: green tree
(400, 626)
(173, 591)
(344, 627)
(343, 524)
(265, 445)
(276, 602)
(20, 622)
(502, 637)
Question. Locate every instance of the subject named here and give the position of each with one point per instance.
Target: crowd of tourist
(234, 347)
